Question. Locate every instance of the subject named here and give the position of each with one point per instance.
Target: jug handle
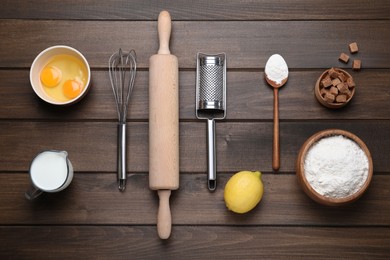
(32, 193)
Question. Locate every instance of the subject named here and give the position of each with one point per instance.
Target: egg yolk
(72, 88)
(51, 76)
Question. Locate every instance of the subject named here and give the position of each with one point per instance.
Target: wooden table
(91, 219)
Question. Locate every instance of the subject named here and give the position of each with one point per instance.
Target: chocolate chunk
(356, 65)
(351, 83)
(327, 82)
(333, 73)
(342, 77)
(341, 98)
(353, 48)
(344, 57)
(341, 87)
(329, 98)
(323, 92)
(334, 91)
(348, 93)
(336, 81)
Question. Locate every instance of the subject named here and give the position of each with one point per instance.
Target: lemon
(243, 191)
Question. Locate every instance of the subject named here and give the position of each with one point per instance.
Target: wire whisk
(122, 71)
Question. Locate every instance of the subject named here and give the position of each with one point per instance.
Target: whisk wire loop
(122, 72)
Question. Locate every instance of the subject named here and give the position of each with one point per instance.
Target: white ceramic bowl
(42, 59)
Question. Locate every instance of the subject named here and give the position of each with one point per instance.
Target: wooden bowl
(320, 98)
(306, 186)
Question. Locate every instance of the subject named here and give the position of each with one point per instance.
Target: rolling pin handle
(164, 218)
(164, 32)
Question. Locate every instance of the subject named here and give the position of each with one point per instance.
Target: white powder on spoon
(336, 167)
(276, 69)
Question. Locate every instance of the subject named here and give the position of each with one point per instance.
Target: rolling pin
(164, 124)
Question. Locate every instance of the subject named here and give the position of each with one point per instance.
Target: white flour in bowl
(336, 167)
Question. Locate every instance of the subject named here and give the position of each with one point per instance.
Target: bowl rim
(308, 189)
(85, 62)
(320, 98)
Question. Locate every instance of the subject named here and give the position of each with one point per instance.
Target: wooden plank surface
(91, 219)
(197, 10)
(239, 145)
(314, 44)
(93, 199)
(248, 98)
(123, 242)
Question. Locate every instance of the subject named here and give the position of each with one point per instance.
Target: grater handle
(164, 32)
(211, 161)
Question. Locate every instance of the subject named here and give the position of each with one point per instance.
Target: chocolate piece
(333, 73)
(341, 98)
(344, 57)
(341, 87)
(336, 81)
(342, 77)
(351, 83)
(333, 90)
(327, 82)
(348, 93)
(323, 92)
(329, 98)
(353, 48)
(356, 65)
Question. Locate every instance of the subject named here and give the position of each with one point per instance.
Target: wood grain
(248, 45)
(93, 199)
(199, 242)
(239, 145)
(92, 219)
(197, 10)
(248, 98)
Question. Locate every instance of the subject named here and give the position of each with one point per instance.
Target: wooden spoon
(276, 74)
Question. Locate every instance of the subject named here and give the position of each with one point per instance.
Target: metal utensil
(211, 102)
(122, 70)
